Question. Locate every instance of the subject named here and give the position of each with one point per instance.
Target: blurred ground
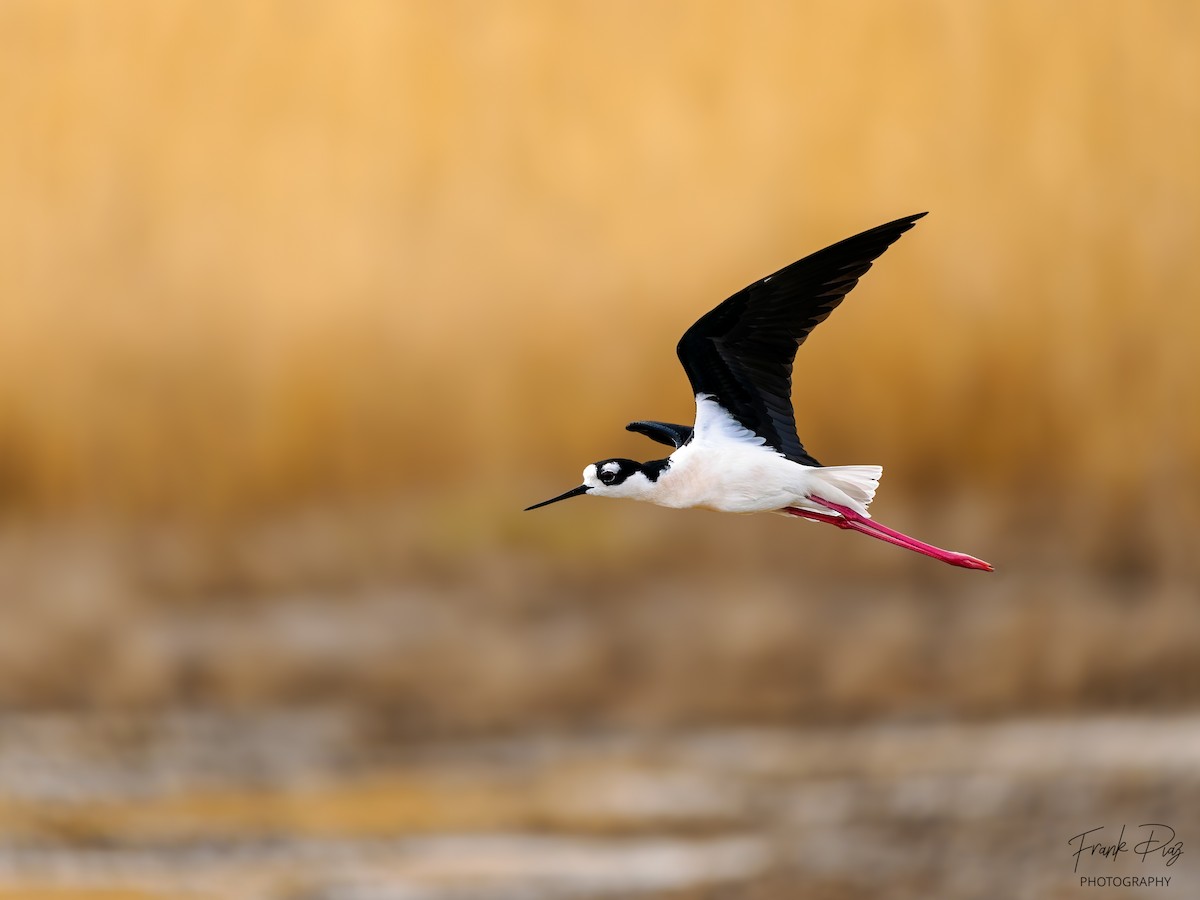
(627, 614)
(315, 806)
(780, 715)
(302, 303)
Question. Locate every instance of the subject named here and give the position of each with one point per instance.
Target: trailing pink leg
(817, 517)
(848, 518)
(862, 527)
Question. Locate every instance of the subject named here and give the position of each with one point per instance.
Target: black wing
(663, 432)
(741, 352)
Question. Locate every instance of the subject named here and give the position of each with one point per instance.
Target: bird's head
(611, 478)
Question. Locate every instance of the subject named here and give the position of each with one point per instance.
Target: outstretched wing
(663, 432)
(740, 353)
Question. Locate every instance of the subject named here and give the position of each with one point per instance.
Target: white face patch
(610, 468)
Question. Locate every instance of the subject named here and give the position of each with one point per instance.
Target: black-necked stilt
(743, 453)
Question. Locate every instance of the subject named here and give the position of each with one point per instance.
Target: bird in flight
(743, 454)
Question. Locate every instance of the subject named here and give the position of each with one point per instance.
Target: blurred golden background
(301, 303)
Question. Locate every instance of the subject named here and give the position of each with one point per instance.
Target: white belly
(743, 479)
(728, 468)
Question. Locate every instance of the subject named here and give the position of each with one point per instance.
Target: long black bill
(573, 492)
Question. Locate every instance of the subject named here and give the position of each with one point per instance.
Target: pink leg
(862, 527)
(848, 518)
(817, 517)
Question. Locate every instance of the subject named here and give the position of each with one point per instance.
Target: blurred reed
(261, 255)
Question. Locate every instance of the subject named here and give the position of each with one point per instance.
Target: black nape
(655, 468)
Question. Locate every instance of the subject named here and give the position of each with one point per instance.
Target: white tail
(852, 486)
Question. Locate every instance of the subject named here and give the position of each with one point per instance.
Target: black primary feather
(663, 432)
(741, 352)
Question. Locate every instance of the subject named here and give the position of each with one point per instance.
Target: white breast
(726, 466)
